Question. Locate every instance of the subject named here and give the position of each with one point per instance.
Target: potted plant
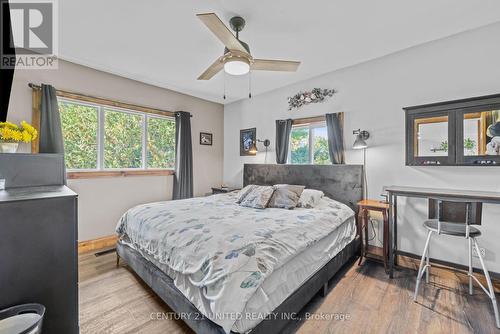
(11, 135)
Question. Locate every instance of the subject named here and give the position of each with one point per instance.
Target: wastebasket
(22, 319)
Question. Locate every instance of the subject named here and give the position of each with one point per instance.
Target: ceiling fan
(237, 59)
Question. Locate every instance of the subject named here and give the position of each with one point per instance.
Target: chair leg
(471, 286)
(490, 286)
(421, 267)
(428, 266)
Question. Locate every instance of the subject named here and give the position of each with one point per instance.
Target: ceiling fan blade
(275, 65)
(216, 26)
(212, 70)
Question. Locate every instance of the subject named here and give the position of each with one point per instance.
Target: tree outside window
(309, 145)
(103, 138)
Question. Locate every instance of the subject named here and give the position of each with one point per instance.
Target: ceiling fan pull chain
(250, 84)
(224, 96)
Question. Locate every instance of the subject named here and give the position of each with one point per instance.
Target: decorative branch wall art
(314, 96)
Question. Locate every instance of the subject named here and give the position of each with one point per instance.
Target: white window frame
(101, 110)
(310, 127)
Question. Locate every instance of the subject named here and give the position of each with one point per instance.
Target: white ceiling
(161, 42)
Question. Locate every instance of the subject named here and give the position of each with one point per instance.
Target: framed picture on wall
(247, 139)
(205, 138)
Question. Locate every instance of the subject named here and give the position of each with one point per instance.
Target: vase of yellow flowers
(12, 134)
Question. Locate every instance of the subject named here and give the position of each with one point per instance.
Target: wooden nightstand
(365, 206)
(223, 190)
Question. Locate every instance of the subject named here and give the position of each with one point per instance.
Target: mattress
(288, 278)
(296, 243)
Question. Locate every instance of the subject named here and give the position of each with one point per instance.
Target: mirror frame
(455, 110)
(411, 158)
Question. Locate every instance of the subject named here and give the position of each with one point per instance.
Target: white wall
(102, 201)
(372, 95)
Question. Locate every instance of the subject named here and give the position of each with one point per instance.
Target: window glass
(122, 139)
(161, 143)
(79, 127)
(309, 144)
(320, 146)
(299, 145)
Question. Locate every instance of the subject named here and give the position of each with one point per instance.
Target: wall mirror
(431, 136)
(462, 132)
(478, 133)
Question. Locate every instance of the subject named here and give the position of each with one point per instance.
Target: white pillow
(310, 198)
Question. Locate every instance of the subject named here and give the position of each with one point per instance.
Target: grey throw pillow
(285, 196)
(244, 192)
(258, 197)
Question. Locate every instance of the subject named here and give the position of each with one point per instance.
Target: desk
(443, 194)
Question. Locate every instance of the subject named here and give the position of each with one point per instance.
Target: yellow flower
(8, 134)
(11, 132)
(29, 129)
(26, 136)
(9, 125)
(2, 134)
(17, 135)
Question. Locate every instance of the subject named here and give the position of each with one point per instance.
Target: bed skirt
(164, 287)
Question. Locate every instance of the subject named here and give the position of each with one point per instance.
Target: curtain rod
(35, 86)
(131, 106)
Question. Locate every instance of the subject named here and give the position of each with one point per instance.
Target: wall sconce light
(254, 150)
(360, 143)
(361, 137)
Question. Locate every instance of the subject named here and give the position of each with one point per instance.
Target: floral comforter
(224, 249)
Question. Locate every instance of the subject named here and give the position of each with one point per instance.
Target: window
(102, 138)
(309, 144)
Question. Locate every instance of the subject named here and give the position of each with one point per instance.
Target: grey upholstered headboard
(342, 183)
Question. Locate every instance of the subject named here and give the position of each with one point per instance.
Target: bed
(222, 267)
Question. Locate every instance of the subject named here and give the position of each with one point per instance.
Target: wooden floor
(361, 299)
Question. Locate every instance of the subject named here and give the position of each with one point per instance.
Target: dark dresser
(38, 248)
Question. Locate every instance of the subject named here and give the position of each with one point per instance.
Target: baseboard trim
(97, 244)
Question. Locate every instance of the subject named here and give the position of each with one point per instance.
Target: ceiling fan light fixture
(237, 66)
(237, 59)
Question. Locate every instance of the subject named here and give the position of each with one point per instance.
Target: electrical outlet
(481, 249)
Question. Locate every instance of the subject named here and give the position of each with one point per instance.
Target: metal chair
(457, 229)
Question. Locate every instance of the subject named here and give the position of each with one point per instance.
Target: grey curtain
(183, 179)
(51, 139)
(283, 128)
(335, 129)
